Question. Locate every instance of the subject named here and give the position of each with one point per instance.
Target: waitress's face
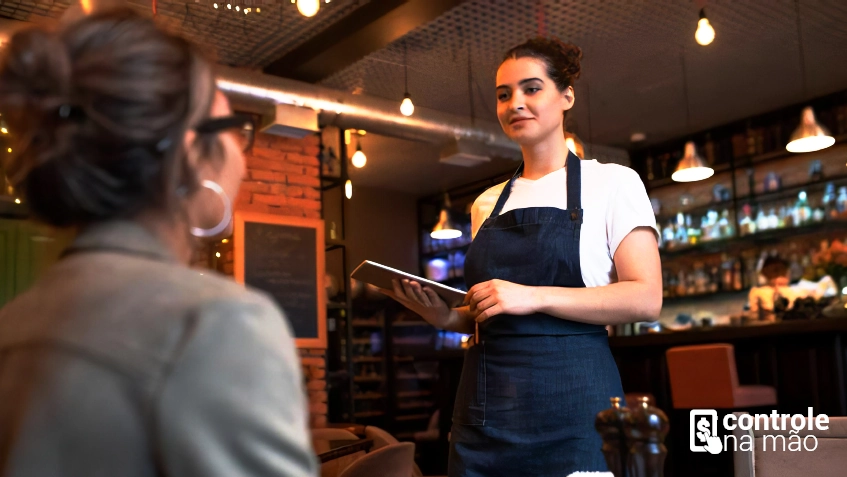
(529, 105)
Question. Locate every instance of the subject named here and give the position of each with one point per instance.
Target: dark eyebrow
(521, 82)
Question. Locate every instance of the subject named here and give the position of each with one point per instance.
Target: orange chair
(705, 376)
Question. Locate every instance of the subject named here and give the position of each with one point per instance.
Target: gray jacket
(122, 362)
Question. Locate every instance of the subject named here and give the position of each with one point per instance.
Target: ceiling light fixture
(407, 108)
(705, 34)
(308, 8)
(691, 167)
(359, 159)
(445, 229)
(810, 135)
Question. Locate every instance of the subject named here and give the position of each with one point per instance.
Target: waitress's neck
(543, 157)
(171, 232)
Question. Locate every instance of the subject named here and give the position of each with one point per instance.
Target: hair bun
(570, 57)
(36, 72)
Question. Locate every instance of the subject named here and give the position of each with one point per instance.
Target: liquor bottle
(841, 201)
(802, 211)
(681, 231)
(668, 234)
(761, 221)
(736, 276)
(773, 220)
(829, 206)
(725, 227)
(726, 278)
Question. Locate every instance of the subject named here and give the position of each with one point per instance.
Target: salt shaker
(645, 428)
(610, 426)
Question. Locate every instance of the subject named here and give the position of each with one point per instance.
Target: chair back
(393, 460)
(380, 437)
(773, 455)
(702, 376)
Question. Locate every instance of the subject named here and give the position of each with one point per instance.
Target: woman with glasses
(121, 360)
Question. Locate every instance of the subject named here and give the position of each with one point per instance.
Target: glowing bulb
(218, 254)
(359, 159)
(237, 8)
(308, 8)
(4, 131)
(17, 201)
(228, 6)
(86, 5)
(348, 189)
(10, 149)
(215, 5)
(406, 107)
(258, 10)
(705, 33)
(225, 241)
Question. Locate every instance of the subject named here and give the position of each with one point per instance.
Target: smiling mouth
(519, 120)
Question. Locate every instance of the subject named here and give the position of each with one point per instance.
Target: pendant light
(407, 108)
(810, 135)
(705, 34)
(308, 8)
(445, 229)
(359, 158)
(691, 167)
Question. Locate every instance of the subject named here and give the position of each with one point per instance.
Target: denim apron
(532, 385)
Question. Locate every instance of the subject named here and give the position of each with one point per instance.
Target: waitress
(562, 249)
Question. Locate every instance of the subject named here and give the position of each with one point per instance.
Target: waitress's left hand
(494, 297)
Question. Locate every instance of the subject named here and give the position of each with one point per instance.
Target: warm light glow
(691, 167)
(705, 33)
(347, 137)
(10, 149)
(17, 201)
(359, 159)
(308, 8)
(406, 107)
(225, 241)
(215, 5)
(809, 136)
(4, 131)
(87, 5)
(361, 132)
(810, 144)
(237, 8)
(348, 189)
(258, 10)
(571, 144)
(228, 6)
(446, 234)
(218, 254)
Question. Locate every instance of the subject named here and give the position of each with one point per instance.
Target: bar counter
(803, 359)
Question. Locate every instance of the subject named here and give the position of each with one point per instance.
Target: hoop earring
(227, 218)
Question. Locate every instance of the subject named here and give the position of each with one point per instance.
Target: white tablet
(380, 276)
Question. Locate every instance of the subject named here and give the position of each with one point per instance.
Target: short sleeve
(628, 208)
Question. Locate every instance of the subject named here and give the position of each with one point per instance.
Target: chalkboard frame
(240, 218)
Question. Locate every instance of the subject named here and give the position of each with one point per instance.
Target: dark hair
(562, 59)
(98, 111)
(774, 267)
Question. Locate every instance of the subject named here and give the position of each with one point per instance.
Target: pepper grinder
(645, 428)
(610, 426)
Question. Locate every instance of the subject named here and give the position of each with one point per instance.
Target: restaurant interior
(377, 130)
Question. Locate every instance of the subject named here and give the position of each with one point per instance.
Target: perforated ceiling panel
(251, 40)
(632, 68)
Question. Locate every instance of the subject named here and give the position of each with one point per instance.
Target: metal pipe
(258, 92)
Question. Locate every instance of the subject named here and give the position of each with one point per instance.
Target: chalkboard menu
(284, 257)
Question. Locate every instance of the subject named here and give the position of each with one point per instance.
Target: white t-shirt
(614, 202)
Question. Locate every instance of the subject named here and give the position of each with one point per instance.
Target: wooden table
(343, 448)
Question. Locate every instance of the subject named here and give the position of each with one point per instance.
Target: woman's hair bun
(87, 105)
(562, 58)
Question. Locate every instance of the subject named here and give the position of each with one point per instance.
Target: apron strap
(574, 200)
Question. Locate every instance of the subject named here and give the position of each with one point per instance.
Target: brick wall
(283, 177)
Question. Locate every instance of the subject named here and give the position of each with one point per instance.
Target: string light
(215, 5)
(348, 189)
(705, 34)
(308, 8)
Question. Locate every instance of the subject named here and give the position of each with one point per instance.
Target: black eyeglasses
(243, 123)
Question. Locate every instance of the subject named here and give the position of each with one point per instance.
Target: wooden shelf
(410, 323)
(368, 379)
(767, 236)
(373, 323)
(416, 405)
(411, 394)
(421, 377)
(369, 414)
(412, 417)
(368, 359)
(367, 396)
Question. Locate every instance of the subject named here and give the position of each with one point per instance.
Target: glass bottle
(841, 201)
(761, 221)
(802, 211)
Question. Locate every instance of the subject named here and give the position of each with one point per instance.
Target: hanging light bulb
(237, 8)
(308, 8)
(810, 135)
(445, 229)
(406, 107)
(691, 167)
(359, 159)
(348, 189)
(705, 33)
(228, 6)
(215, 5)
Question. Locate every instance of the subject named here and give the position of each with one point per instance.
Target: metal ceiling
(632, 70)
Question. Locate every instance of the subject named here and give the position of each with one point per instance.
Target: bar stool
(705, 376)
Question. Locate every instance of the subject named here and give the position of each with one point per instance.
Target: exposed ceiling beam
(367, 29)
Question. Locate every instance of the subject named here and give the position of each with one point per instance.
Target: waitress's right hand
(422, 300)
